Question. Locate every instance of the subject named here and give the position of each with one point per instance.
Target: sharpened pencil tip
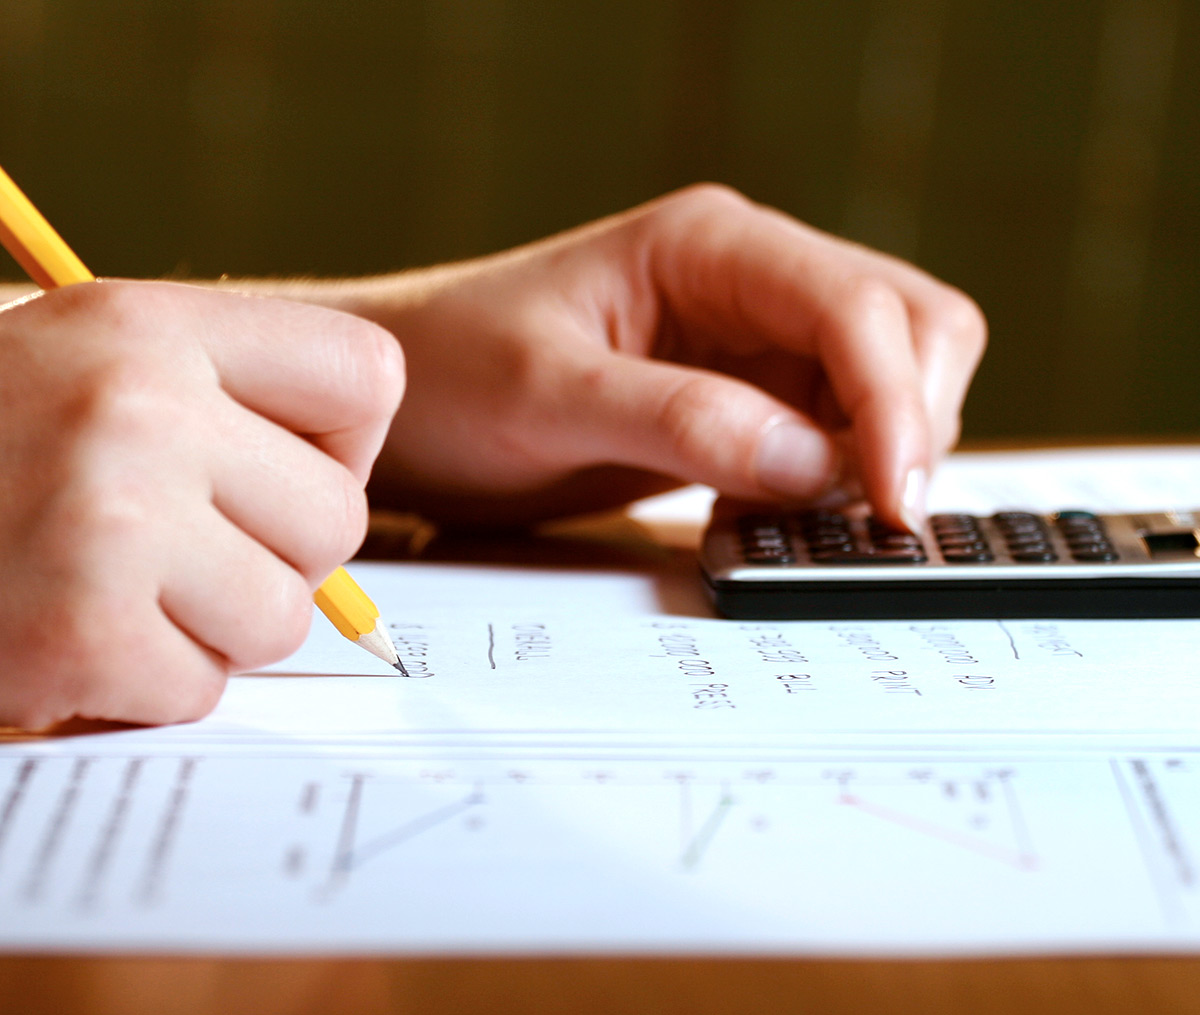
(399, 664)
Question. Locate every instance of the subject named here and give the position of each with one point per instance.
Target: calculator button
(1021, 530)
(901, 555)
(1031, 556)
(1030, 546)
(812, 521)
(957, 531)
(1027, 541)
(1080, 534)
(1095, 553)
(1005, 518)
(765, 557)
(766, 537)
(1090, 542)
(967, 556)
(824, 532)
(965, 547)
(941, 521)
(853, 556)
(897, 540)
(830, 543)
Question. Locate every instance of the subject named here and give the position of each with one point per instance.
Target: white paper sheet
(589, 761)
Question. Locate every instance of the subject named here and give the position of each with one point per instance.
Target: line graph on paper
(699, 821)
(392, 851)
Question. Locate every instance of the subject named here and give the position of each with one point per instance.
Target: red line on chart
(1012, 857)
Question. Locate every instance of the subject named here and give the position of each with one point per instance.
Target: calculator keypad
(829, 537)
(960, 538)
(824, 537)
(1086, 536)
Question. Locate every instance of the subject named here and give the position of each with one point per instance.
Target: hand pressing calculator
(820, 564)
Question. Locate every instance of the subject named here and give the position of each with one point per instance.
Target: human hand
(699, 338)
(182, 469)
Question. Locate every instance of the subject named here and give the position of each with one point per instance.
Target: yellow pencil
(51, 263)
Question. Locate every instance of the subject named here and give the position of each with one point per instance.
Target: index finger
(739, 274)
(329, 376)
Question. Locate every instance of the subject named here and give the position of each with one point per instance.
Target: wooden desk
(124, 986)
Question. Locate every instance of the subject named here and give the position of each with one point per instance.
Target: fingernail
(845, 490)
(912, 502)
(795, 460)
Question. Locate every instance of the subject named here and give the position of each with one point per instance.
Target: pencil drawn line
(1011, 857)
(703, 838)
(413, 828)
(1011, 640)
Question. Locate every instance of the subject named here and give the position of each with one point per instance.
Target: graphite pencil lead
(399, 664)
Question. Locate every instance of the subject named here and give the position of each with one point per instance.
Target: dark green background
(1042, 156)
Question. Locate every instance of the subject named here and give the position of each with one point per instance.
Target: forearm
(373, 297)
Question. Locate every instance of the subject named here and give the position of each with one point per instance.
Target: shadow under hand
(606, 542)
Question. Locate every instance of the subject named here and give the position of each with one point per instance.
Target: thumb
(698, 426)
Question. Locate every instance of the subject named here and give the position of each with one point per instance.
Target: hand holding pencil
(183, 469)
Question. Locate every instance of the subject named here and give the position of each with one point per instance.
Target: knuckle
(347, 522)
(337, 530)
(96, 521)
(386, 368)
(291, 615)
(123, 398)
(372, 358)
(962, 317)
(689, 414)
(706, 197)
(113, 307)
(865, 297)
(690, 214)
(283, 615)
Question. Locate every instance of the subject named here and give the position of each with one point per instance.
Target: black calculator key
(1027, 541)
(827, 536)
(968, 552)
(941, 521)
(831, 546)
(898, 540)
(1024, 532)
(1015, 518)
(1086, 541)
(1030, 556)
(1082, 531)
(1096, 553)
(855, 556)
(955, 531)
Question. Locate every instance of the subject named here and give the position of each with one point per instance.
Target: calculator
(763, 563)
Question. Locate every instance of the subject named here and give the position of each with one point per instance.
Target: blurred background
(1045, 157)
